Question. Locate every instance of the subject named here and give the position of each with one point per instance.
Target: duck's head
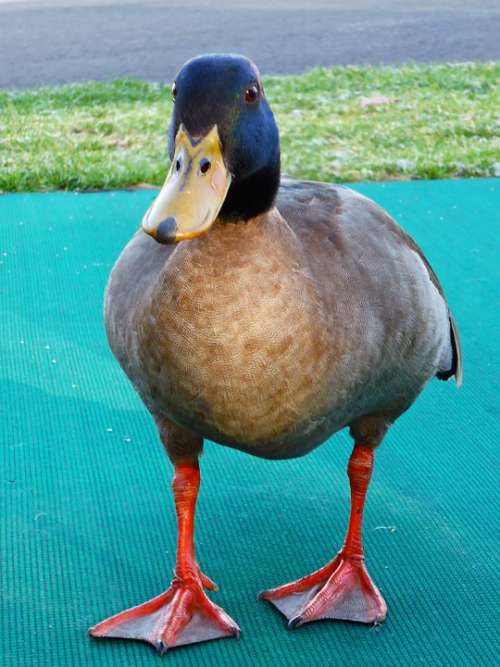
(224, 147)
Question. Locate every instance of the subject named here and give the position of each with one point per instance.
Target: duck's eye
(205, 165)
(251, 93)
(174, 91)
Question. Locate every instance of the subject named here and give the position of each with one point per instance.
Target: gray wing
(307, 203)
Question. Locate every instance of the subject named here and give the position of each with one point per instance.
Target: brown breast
(232, 337)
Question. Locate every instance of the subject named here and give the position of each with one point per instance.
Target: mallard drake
(265, 314)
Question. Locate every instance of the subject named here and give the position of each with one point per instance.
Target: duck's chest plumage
(218, 337)
(243, 336)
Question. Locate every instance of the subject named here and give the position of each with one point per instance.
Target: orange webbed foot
(341, 590)
(182, 615)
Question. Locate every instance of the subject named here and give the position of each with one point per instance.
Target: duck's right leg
(183, 614)
(342, 589)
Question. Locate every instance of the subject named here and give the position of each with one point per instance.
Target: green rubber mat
(86, 516)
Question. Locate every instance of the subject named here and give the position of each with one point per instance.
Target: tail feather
(456, 364)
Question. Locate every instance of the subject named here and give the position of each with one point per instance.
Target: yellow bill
(194, 191)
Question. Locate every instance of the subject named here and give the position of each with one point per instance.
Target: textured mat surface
(86, 519)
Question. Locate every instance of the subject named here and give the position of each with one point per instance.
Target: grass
(440, 121)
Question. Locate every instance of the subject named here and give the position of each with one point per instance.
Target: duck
(265, 314)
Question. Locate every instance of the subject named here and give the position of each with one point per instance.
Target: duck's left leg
(183, 614)
(343, 588)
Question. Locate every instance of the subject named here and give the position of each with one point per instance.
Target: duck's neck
(252, 196)
(261, 248)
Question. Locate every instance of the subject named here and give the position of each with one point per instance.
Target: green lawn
(437, 121)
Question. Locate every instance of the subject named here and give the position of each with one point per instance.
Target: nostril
(178, 165)
(205, 165)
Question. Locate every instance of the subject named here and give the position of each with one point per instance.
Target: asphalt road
(50, 42)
